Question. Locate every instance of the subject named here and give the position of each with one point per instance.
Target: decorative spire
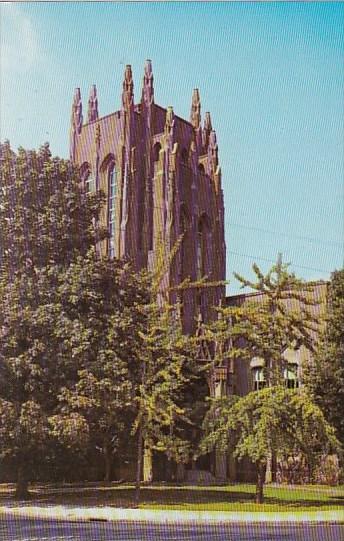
(207, 122)
(77, 118)
(213, 152)
(207, 128)
(169, 122)
(195, 116)
(128, 89)
(92, 104)
(147, 85)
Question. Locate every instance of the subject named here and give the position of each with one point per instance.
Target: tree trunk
(139, 466)
(107, 463)
(147, 465)
(268, 471)
(261, 472)
(220, 465)
(22, 492)
(180, 474)
(232, 468)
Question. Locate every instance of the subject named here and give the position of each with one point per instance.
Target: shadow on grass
(165, 496)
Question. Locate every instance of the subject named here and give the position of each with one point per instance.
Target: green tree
(277, 320)
(30, 363)
(168, 367)
(165, 371)
(325, 376)
(275, 419)
(46, 222)
(45, 217)
(99, 298)
(262, 329)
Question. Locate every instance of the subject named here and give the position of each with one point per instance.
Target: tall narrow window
(200, 248)
(199, 254)
(90, 183)
(184, 156)
(183, 224)
(112, 196)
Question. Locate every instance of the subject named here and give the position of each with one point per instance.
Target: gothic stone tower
(161, 177)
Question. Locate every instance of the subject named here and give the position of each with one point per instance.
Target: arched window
(201, 168)
(112, 198)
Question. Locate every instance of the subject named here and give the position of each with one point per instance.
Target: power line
(271, 232)
(300, 237)
(273, 261)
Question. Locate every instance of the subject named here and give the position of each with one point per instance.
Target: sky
(271, 74)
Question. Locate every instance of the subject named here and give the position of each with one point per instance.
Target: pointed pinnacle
(148, 67)
(207, 122)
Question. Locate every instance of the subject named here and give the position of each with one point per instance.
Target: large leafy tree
(325, 376)
(99, 298)
(166, 367)
(69, 353)
(46, 222)
(275, 419)
(278, 319)
(262, 329)
(32, 365)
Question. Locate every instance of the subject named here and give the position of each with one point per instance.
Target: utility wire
(300, 237)
(273, 261)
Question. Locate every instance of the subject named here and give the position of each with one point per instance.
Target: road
(24, 529)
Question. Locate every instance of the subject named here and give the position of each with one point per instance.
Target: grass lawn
(237, 497)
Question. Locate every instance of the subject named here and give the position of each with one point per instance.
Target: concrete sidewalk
(60, 512)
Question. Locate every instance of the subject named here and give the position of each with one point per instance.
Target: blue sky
(271, 74)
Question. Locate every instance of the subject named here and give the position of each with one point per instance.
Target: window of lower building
(290, 377)
(259, 381)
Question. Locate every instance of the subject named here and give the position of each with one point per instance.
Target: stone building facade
(162, 179)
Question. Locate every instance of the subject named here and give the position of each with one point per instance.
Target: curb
(110, 514)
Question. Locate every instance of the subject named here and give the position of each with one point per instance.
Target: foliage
(100, 299)
(169, 370)
(45, 217)
(46, 223)
(273, 420)
(278, 320)
(325, 377)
